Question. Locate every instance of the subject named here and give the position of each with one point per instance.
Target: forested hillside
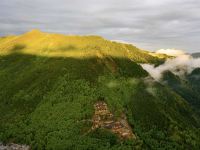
(50, 82)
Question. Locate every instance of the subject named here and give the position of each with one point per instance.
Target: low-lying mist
(180, 65)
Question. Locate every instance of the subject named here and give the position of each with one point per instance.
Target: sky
(148, 24)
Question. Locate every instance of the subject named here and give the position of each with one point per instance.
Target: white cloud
(182, 64)
(171, 52)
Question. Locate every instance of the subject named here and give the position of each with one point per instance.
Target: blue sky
(148, 24)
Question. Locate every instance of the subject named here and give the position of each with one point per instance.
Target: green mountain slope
(187, 87)
(49, 83)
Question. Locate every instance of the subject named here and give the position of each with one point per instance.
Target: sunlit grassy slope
(57, 45)
(49, 83)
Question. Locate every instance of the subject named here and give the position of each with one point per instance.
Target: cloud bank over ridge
(180, 65)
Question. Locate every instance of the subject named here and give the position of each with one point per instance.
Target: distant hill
(195, 55)
(49, 84)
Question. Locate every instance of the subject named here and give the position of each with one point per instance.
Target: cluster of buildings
(103, 118)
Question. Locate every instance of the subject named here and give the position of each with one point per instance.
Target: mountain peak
(34, 31)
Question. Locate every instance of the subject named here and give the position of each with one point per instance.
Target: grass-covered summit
(38, 43)
(50, 82)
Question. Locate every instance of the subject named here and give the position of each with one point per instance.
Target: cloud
(171, 52)
(180, 65)
(150, 24)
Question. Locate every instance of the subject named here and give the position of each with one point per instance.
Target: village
(103, 118)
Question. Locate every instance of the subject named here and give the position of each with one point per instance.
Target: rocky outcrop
(103, 118)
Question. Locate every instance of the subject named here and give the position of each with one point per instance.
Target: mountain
(187, 87)
(50, 84)
(195, 55)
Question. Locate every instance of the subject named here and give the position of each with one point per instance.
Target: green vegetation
(188, 88)
(50, 82)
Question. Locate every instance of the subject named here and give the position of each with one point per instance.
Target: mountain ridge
(50, 82)
(50, 41)
(196, 55)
